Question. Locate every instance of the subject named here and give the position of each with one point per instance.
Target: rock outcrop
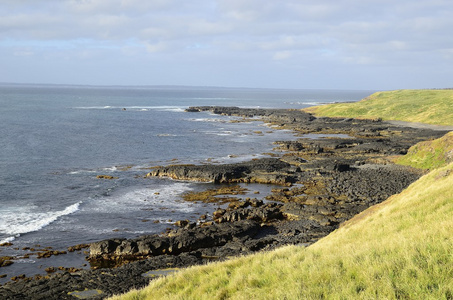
(265, 170)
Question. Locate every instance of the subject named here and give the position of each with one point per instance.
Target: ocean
(55, 140)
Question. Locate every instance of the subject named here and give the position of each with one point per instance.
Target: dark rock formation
(265, 170)
(116, 251)
(282, 115)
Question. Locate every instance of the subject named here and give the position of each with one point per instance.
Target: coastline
(336, 175)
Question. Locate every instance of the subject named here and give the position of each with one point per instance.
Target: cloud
(281, 35)
(282, 55)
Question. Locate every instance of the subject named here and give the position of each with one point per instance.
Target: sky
(294, 44)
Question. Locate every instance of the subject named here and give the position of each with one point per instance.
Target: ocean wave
(110, 169)
(91, 171)
(24, 220)
(221, 133)
(25, 261)
(84, 171)
(160, 197)
(8, 239)
(212, 120)
(234, 158)
(135, 108)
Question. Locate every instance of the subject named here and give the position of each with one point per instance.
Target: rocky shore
(336, 169)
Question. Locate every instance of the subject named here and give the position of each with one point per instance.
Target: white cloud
(290, 33)
(23, 53)
(282, 55)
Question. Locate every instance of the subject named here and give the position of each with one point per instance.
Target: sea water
(55, 140)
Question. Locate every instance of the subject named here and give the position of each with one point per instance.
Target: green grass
(399, 249)
(429, 154)
(421, 106)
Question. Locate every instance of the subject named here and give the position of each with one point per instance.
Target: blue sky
(342, 44)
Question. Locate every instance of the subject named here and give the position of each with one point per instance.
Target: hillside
(421, 106)
(400, 248)
(430, 154)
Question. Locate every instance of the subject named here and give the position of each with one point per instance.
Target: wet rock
(127, 248)
(47, 254)
(50, 270)
(182, 223)
(106, 177)
(176, 242)
(78, 247)
(340, 167)
(106, 246)
(6, 261)
(281, 115)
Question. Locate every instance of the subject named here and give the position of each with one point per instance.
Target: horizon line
(169, 86)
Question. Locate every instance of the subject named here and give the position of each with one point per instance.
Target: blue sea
(55, 140)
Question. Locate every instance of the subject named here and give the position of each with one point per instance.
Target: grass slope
(430, 154)
(401, 248)
(421, 106)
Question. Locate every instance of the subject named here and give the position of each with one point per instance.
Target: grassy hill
(401, 248)
(430, 154)
(421, 106)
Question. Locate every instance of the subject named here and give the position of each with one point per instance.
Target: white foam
(17, 221)
(172, 108)
(220, 132)
(94, 107)
(8, 239)
(25, 261)
(78, 172)
(136, 108)
(110, 169)
(160, 108)
(91, 171)
(156, 198)
(235, 158)
(212, 120)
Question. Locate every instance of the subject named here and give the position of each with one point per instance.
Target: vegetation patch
(421, 106)
(429, 154)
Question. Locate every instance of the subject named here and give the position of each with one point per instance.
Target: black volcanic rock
(265, 170)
